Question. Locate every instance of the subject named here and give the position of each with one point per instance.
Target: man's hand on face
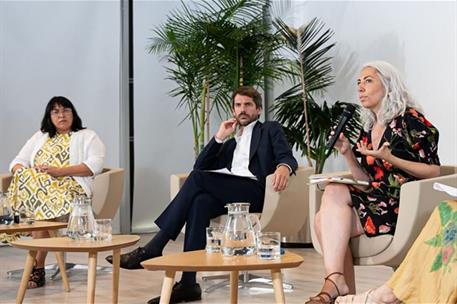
(226, 128)
(281, 177)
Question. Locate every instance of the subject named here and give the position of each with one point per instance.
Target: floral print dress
(412, 137)
(428, 274)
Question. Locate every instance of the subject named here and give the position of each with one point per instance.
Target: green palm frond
(213, 47)
(307, 124)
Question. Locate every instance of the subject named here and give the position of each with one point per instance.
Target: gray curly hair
(396, 97)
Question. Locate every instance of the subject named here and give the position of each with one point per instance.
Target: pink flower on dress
(384, 229)
(447, 253)
(421, 153)
(400, 179)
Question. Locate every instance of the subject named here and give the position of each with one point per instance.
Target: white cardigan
(85, 147)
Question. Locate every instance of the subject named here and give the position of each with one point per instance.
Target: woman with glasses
(56, 164)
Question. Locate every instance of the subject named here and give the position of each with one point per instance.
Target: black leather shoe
(132, 259)
(182, 293)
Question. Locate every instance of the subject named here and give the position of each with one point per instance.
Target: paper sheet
(445, 188)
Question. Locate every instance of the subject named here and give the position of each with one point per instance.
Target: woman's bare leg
(335, 224)
(41, 255)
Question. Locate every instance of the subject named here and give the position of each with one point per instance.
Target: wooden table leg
(234, 287)
(116, 269)
(91, 277)
(61, 262)
(277, 285)
(63, 273)
(25, 276)
(167, 287)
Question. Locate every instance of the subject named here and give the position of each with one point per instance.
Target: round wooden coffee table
(199, 260)
(65, 244)
(36, 226)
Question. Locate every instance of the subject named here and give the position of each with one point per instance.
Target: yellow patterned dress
(47, 196)
(429, 272)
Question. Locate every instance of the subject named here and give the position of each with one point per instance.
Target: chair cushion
(363, 246)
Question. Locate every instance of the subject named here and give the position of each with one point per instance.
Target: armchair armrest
(176, 182)
(286, 211)
(5, 179)
(417, 201)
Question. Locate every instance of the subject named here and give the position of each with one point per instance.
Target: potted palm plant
(213, 48)
(307, 123)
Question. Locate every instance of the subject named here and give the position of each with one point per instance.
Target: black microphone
(344, 118)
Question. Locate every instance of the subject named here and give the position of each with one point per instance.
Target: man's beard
(244, 123)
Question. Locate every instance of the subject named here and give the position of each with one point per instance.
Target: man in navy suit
(227, 170)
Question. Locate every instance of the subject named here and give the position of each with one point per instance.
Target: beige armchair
(285, 212)
(417, 201)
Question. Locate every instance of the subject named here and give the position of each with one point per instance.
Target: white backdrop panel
(162, 145)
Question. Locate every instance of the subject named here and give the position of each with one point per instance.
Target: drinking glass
(6, 212)
(103, 230)
(214, 239)
(269, 245)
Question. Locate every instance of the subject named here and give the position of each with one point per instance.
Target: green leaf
(454, 217)
(445, 213)
(437, 263)
(435, 241)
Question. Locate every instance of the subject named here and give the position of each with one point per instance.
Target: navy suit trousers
(203, 197)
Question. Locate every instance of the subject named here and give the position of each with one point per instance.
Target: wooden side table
(65, 244)
(199, 260)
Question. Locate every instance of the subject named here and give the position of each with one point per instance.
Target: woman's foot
(381, 295)
(334, 286)
(37, 278)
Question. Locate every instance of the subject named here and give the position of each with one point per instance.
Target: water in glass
(239, 236)
(6, 212)
(81, 224)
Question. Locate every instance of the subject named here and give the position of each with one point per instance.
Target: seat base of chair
(71, 269)
(245, 280)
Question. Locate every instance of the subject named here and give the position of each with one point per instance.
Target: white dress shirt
(240, 161)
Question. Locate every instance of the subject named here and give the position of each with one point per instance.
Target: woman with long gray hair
(397, 144)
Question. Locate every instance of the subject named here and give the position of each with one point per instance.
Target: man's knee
(201, 206)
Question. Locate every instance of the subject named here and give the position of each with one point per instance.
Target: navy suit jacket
(269, 148)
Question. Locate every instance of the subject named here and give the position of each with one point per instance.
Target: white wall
(162, 145)
(58, 48)
(419, 38)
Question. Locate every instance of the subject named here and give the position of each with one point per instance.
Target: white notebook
(337, 179)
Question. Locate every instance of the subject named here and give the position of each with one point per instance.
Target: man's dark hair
(46, 123)
(250, 92)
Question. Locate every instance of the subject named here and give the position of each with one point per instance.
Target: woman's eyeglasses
(64, 111)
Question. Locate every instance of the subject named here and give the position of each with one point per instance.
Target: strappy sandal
(328, 299)
(37, 278)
